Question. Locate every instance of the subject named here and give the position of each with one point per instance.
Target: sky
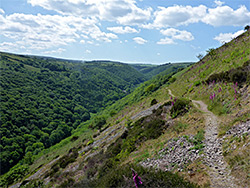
(130, 31)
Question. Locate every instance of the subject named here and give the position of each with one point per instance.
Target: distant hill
(151, 70)
(191, 125)
(43, 99)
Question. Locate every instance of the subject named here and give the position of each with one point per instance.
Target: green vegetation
(107, 169)
(43, 100)
(121, 176)
(180, 127)
(151, 70)
(46, 100)
(218, 77)
(180, 106)
(198, 140)
(238, 75)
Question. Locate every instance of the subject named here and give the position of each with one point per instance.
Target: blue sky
(142, 31)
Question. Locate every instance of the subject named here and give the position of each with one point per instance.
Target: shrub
(16, 173)
(99, 121)
(153, 102)
(239, 75)
(172, 79)
(180, 127)
(197, 83)
(150, 88)
(180, 107)
(121, 176)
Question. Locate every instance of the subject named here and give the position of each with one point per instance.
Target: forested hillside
(151, 70)
(43, 100)
(189, 128)
(192, 125)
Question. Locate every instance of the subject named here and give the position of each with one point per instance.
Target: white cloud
(82, 41)
(88, 52)
(226, 16)
(121, 30)
(2, 11)
(220, 15)
(121, 11)
(47, 31)
(166, 41)
(175, 34)
(90, 42)
(58, 51)
(219, 3)
(178, 15)
(226, 37)
(137, 16)
(101, 36)
(139, 40)
(8, 46)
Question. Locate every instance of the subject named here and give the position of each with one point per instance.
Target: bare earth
(219, 171)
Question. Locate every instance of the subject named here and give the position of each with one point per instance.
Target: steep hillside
(43, 100)
(193, 127)
(151, 70)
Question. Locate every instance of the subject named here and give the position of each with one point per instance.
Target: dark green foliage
(121, 176)
(247, 27)
(32, 183)
(62, 162)
(105, 169)
(197, 83)
(153, 102)
(16, 173)
(44, 99)
(172, 79)
(212, 53)
(150, 70)
(198, 140)
(67, 183)
(239, 75)
(180, 107)
(150, 127)
(69, 158)
(98, 122)
(180, 127)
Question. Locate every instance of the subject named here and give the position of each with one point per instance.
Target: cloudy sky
(145, 31)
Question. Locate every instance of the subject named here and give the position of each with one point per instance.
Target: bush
(121, 176)
(240, 75)
(180, 107)
(172, 79)
(153, 102)
(16, 173)
(99, 121)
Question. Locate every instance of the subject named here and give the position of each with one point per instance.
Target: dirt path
(219, 171)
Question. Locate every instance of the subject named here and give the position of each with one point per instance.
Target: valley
(186, 126)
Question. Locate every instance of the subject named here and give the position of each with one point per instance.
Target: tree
(247, 28)
(200, 56)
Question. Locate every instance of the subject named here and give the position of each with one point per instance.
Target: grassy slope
(231, 55)
(119, 72)
(36, 92)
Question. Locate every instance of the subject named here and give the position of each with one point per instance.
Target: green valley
(73, 124)
(44, 99)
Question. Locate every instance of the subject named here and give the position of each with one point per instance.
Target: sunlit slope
(219, 76)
